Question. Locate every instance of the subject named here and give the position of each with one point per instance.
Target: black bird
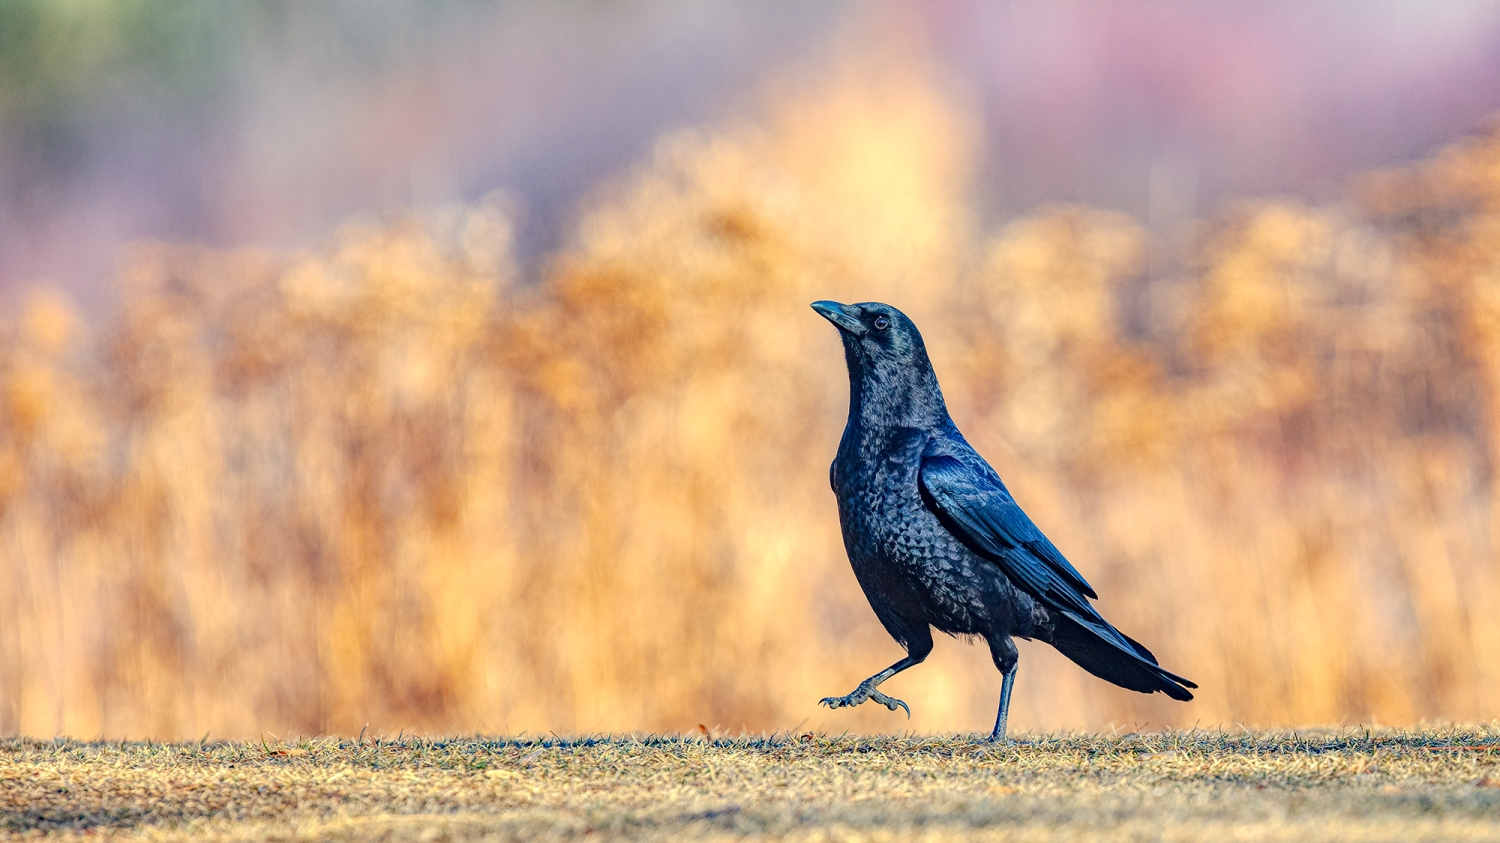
(936, 540)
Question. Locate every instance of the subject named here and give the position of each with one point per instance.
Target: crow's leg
(998, 734)
(918, 647)
(866, 689)
(1007, 657)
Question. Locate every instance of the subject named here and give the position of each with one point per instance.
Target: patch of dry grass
(1435, 784)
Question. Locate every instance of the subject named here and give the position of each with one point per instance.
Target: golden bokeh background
(397, 480)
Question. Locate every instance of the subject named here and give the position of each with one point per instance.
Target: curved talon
(890, 702)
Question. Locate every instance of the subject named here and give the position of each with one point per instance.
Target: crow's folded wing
(968, 497)
(982, 512)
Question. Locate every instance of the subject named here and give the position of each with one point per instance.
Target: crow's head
(875, 334)
(887, 359)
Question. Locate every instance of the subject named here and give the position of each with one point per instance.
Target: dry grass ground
(1435, 784)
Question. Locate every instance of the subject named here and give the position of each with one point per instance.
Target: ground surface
(1441, 784)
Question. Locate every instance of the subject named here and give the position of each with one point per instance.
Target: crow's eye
(881, 323)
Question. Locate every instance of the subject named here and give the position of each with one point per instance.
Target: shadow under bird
(935, 538)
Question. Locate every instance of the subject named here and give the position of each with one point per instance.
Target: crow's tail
(1111, 655)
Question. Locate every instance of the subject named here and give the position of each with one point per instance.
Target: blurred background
(448, 366)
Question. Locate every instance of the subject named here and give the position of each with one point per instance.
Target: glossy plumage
(937, 541)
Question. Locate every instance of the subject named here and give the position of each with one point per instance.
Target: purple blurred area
(268, 123)
(1092, 101)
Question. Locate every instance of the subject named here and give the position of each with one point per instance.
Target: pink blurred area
(1082, 99)
(1160, 109)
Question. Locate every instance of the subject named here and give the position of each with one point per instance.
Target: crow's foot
(865, 691)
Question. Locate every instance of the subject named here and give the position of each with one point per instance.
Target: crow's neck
(888, 398)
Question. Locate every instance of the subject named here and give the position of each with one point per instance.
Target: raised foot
(865, 691)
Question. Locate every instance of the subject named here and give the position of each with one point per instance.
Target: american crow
(935, 538)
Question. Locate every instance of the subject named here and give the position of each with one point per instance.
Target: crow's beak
(843, 316)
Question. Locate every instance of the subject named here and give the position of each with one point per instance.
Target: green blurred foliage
(70, 66)
(59, 56)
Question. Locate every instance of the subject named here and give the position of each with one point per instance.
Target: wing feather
(991, 519)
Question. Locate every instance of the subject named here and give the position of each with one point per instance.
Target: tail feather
(1090, 644)
(1140, 648)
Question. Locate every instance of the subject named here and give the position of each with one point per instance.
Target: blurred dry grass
(388, 481)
